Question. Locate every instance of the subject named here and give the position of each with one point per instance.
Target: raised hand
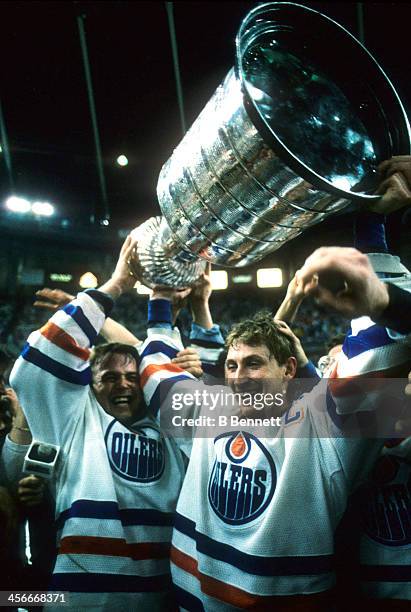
(52, 299)
(199, 299)
(177, 297)
(201, 290)
(122, 278)
(395, 186)
(188, 359)
(362, 293)
(288, 308)
(297, 347)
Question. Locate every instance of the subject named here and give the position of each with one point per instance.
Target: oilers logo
(388, 509)
(137, 455)
(243, 478)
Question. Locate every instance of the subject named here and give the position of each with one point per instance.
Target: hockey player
(118, 478)
(382, 509)
(383, 512)
(256, 516)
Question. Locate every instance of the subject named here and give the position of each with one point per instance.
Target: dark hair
(262, 329)
(335, 341)
(99, 353)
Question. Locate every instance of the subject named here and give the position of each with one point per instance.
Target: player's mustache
(248, 386)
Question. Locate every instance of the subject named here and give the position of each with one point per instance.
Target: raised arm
(205, 335)
(294, 297)
(199, 300)
(52, 375)
(158, 374)
(395, 187)
(361, 292)
(371, 354)
(112, 331)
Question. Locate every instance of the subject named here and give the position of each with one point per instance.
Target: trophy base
(160, 260)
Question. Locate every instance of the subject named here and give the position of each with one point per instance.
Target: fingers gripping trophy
(294, 133)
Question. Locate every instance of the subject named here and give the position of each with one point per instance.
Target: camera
(41, 459)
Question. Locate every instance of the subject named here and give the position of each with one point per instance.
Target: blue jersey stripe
(187, 600)
(103, 299)
(77, 314)
(162, 390)
(386, 573)
(84, 508)
(308, 371)
(109, 583)
(252, 564)
(157, 346)
(159, 311)
(372, 338)
(36, 357)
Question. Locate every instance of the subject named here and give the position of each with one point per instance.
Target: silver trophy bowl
(293, 134)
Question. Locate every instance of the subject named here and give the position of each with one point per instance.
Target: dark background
(46, 112)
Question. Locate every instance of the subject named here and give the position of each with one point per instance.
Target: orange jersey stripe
(317, 602)
(152, 369)
(90, 545)
(57, 336)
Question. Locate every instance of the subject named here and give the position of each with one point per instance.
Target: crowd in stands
(315, 325)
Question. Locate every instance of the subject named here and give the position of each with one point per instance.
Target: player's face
(116, 387)
(326, 363)
(252, 369)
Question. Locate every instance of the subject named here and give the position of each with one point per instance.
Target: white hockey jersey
(116, 488)
(385, 548)
(256, 516)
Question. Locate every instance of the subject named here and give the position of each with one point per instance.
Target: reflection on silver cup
(292, 135)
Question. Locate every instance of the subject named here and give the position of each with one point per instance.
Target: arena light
(142, 289)
(42, 209)
(59, 277)
(18, 205)
(269, 277)
(122, 160)
(88, 280)
(219, 279)
(241, 279)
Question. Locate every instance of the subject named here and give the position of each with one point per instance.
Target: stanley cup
(293, 134)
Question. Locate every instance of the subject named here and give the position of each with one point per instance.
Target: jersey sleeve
(374, 351)
(159, 377)
(166, 386)
(11, 462)
(210, 346)
(52, 375)
(363, 398)
(397, 316)
(209, 338)
(355, 409)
